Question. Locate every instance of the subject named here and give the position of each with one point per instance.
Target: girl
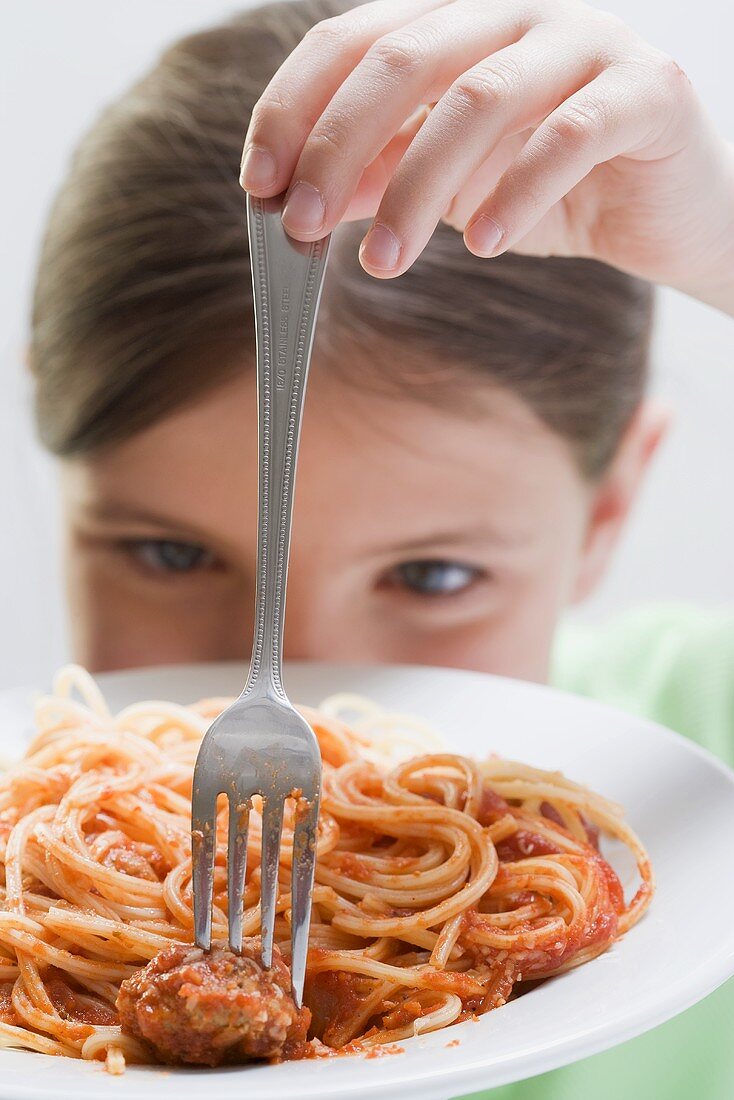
(476, 431)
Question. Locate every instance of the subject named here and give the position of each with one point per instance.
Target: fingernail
(258, 170)
(483, 236)
(380, 248)
(304, 210)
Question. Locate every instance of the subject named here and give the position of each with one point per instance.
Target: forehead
(368, 461)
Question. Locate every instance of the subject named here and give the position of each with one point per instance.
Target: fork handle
(287, 277)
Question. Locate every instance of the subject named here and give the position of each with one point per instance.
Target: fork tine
(203, 851)
(239, 817)
(304, 863)
(272, 827)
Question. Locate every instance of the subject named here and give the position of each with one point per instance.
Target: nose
(324, 620)
(312, 632)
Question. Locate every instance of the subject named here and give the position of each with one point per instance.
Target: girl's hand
(553, 130)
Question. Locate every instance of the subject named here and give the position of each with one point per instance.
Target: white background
(61, 61)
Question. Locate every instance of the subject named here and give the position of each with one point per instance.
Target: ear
(612, 498)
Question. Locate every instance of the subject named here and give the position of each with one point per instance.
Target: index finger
(305, 83)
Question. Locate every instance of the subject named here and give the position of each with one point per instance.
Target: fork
(261, 744)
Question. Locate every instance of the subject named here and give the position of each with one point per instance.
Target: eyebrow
(458, 536)
(106, 510)
(112, 512)
(448, 538)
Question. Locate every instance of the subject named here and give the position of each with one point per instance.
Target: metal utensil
(261, 744)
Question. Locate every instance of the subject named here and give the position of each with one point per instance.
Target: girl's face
(420, 535)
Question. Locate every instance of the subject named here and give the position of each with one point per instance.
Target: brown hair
(141, 300)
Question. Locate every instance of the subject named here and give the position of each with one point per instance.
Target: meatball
(206, 1008)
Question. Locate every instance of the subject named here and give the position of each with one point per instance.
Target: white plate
(678, 798)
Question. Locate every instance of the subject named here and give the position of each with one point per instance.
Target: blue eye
(434, 577)
(170, 556)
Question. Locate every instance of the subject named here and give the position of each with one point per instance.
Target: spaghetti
(443, 886)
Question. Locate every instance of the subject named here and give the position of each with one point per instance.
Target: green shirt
(675, 665)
